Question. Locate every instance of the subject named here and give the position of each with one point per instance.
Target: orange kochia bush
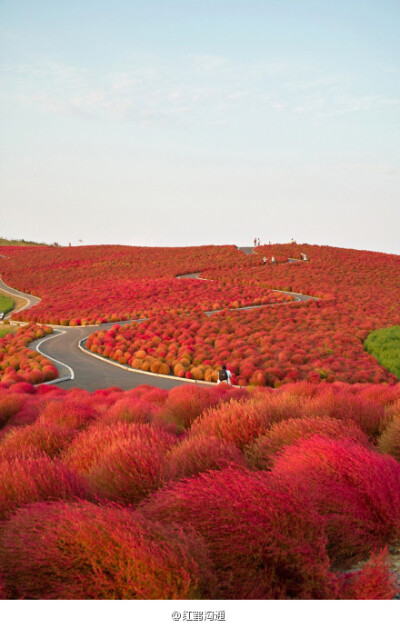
(190, 507)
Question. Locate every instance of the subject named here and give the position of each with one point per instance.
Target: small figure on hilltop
(305, 258)
(255, 241)
(224, 375)
(258, 244)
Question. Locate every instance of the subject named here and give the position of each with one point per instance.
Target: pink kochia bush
(265, 542)
(84, 551)
(355, 490)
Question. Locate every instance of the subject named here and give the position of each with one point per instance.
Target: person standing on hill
(264, 260)
(255, 241)
(224, 376)
(272, 260)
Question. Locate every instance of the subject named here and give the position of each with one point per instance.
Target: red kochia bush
(185, 403)
(355, 489)
(39, 438)
(265, 542)
(132, 467)
(194, 455)
(10, 404)
(88, 449)
(374, 581)
(67, 413)
(23, 481)
(83, 551)
(128, 410)
(238, 422)
(262, 452)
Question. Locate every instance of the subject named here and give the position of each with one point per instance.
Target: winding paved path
(78, 368)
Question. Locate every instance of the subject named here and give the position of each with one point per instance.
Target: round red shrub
(88, 449)
(265, 542)
(132, 467)
(44, 439)
(10, 404)
(128, 410)
(261, 452)
(23, 481)
(202, 453)
(238, 422)
(185, 403)
(67, 413)
(83, 551)
(355, 489)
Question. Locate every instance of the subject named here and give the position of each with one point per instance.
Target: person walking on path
(224, 376)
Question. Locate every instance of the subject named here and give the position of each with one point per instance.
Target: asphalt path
(78, 368)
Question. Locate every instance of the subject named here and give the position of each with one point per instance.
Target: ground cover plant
(19, 363)
(384, 345)
(199, 493)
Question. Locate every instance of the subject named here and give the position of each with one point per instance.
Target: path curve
(75, 363)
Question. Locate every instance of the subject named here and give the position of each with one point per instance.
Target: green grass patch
(6, 304)
(384, 345)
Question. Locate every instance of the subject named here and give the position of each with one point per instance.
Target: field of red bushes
(95, 284)
(19, 363)
(200, 493)
(357, 291)
(317, 340)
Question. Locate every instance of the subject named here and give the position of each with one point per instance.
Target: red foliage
(132, 467)
(355, 489)
(195, 455)
(265, 543)
(238, 422)
(83, 551)
(128, 410)
(185, 403)
(23, 481)
(67, 413)
(262, 452)
(34, 440)
(374, 581)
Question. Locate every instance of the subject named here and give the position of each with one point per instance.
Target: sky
(183, 122)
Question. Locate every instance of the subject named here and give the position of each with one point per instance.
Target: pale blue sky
(177, 123)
